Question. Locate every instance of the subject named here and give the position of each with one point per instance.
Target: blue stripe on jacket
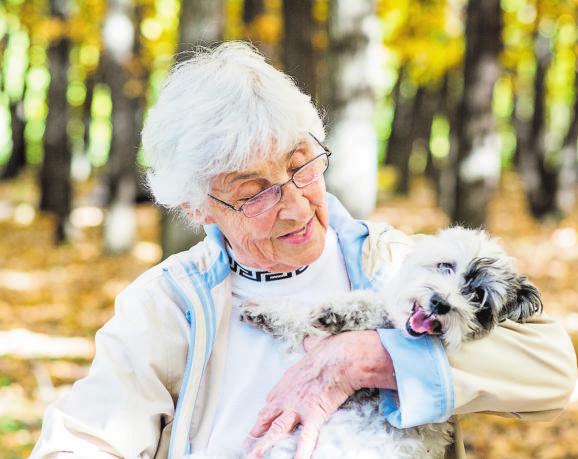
(425, 390)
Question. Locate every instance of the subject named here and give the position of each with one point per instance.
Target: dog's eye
(479, 295)
(446, 268)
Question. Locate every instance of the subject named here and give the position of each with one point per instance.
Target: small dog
(458, 285)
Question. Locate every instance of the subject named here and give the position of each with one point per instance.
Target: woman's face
(289, 235)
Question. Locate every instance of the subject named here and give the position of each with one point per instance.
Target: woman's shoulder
(384, 248)
(203, 255)
(159, 285)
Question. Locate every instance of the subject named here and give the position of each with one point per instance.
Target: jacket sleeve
(519, 370)
(120, 408)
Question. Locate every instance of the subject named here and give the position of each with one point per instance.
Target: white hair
(220, 111)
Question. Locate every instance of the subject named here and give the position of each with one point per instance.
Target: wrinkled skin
(316, 386)
(259, 242)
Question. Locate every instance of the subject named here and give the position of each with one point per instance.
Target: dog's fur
(458, 284)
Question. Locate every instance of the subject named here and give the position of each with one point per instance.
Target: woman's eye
(249, 193)
(446, 268)
(245, 197)
(294, 169)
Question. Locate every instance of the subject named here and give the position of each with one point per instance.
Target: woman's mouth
(300, 235)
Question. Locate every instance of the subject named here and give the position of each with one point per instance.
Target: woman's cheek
(323, 216)
(262, 225)
(318, 198)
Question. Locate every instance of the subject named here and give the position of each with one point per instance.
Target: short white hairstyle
(219, 112)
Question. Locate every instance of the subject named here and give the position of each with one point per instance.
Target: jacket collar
(350, 232)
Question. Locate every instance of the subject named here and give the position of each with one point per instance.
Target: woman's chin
(294, 254)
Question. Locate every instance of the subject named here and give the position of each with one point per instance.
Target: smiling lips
(299, 236)
(299, 231)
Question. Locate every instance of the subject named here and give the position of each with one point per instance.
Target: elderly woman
(234, 145)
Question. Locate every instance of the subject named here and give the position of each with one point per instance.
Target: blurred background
(438, 112)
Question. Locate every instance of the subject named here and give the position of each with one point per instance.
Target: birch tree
(121, 72)
(348, 94)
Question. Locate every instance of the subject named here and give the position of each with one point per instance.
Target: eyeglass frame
(327, 152)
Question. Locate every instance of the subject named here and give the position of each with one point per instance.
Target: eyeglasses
(265, 200)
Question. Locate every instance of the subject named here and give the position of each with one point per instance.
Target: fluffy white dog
(458, 284)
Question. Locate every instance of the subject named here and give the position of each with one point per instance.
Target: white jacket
(152, 387)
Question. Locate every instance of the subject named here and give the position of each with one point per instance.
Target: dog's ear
(525, 302)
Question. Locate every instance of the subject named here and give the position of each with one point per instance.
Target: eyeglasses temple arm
(224, 203)
(327, 150)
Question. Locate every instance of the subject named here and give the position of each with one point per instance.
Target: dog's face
(459, 284)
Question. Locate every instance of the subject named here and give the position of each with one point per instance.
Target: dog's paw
(252, 314)
(329, 321)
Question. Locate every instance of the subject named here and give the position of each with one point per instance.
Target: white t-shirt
(255, 360)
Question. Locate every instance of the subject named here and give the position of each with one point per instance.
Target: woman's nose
(294, 203)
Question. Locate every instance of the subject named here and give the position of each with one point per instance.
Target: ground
(52, 301)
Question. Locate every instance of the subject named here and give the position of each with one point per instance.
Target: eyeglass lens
(272, 195)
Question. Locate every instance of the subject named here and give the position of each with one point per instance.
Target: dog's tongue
(421, 322)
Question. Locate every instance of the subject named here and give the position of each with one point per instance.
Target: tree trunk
(411, 128)
(449, 107)
(298, 53)
(438, 103)
(121, 172)
(477, 149)
(87, 110)
(539, 180)
(3, 45)
(567, 177)
(348, 95)
(201, 23)
(127, 82)
(400, 141)
(253, 12)
(252, 9)
(17, 160)
(396, 124)
(56, 192)
(81, 166)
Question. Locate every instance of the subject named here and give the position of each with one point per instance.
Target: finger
(311, 342)
(264, 419)
(280, 429)
(248, 443)
(308, 438)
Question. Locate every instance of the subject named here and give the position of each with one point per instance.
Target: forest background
(438, 112)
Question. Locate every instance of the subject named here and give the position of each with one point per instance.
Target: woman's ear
(196, 216)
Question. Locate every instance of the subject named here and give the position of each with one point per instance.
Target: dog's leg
(280, 317)
(358, 310)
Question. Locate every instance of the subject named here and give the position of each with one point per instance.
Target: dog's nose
(439, 305)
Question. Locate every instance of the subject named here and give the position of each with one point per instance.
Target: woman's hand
(315, 387)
